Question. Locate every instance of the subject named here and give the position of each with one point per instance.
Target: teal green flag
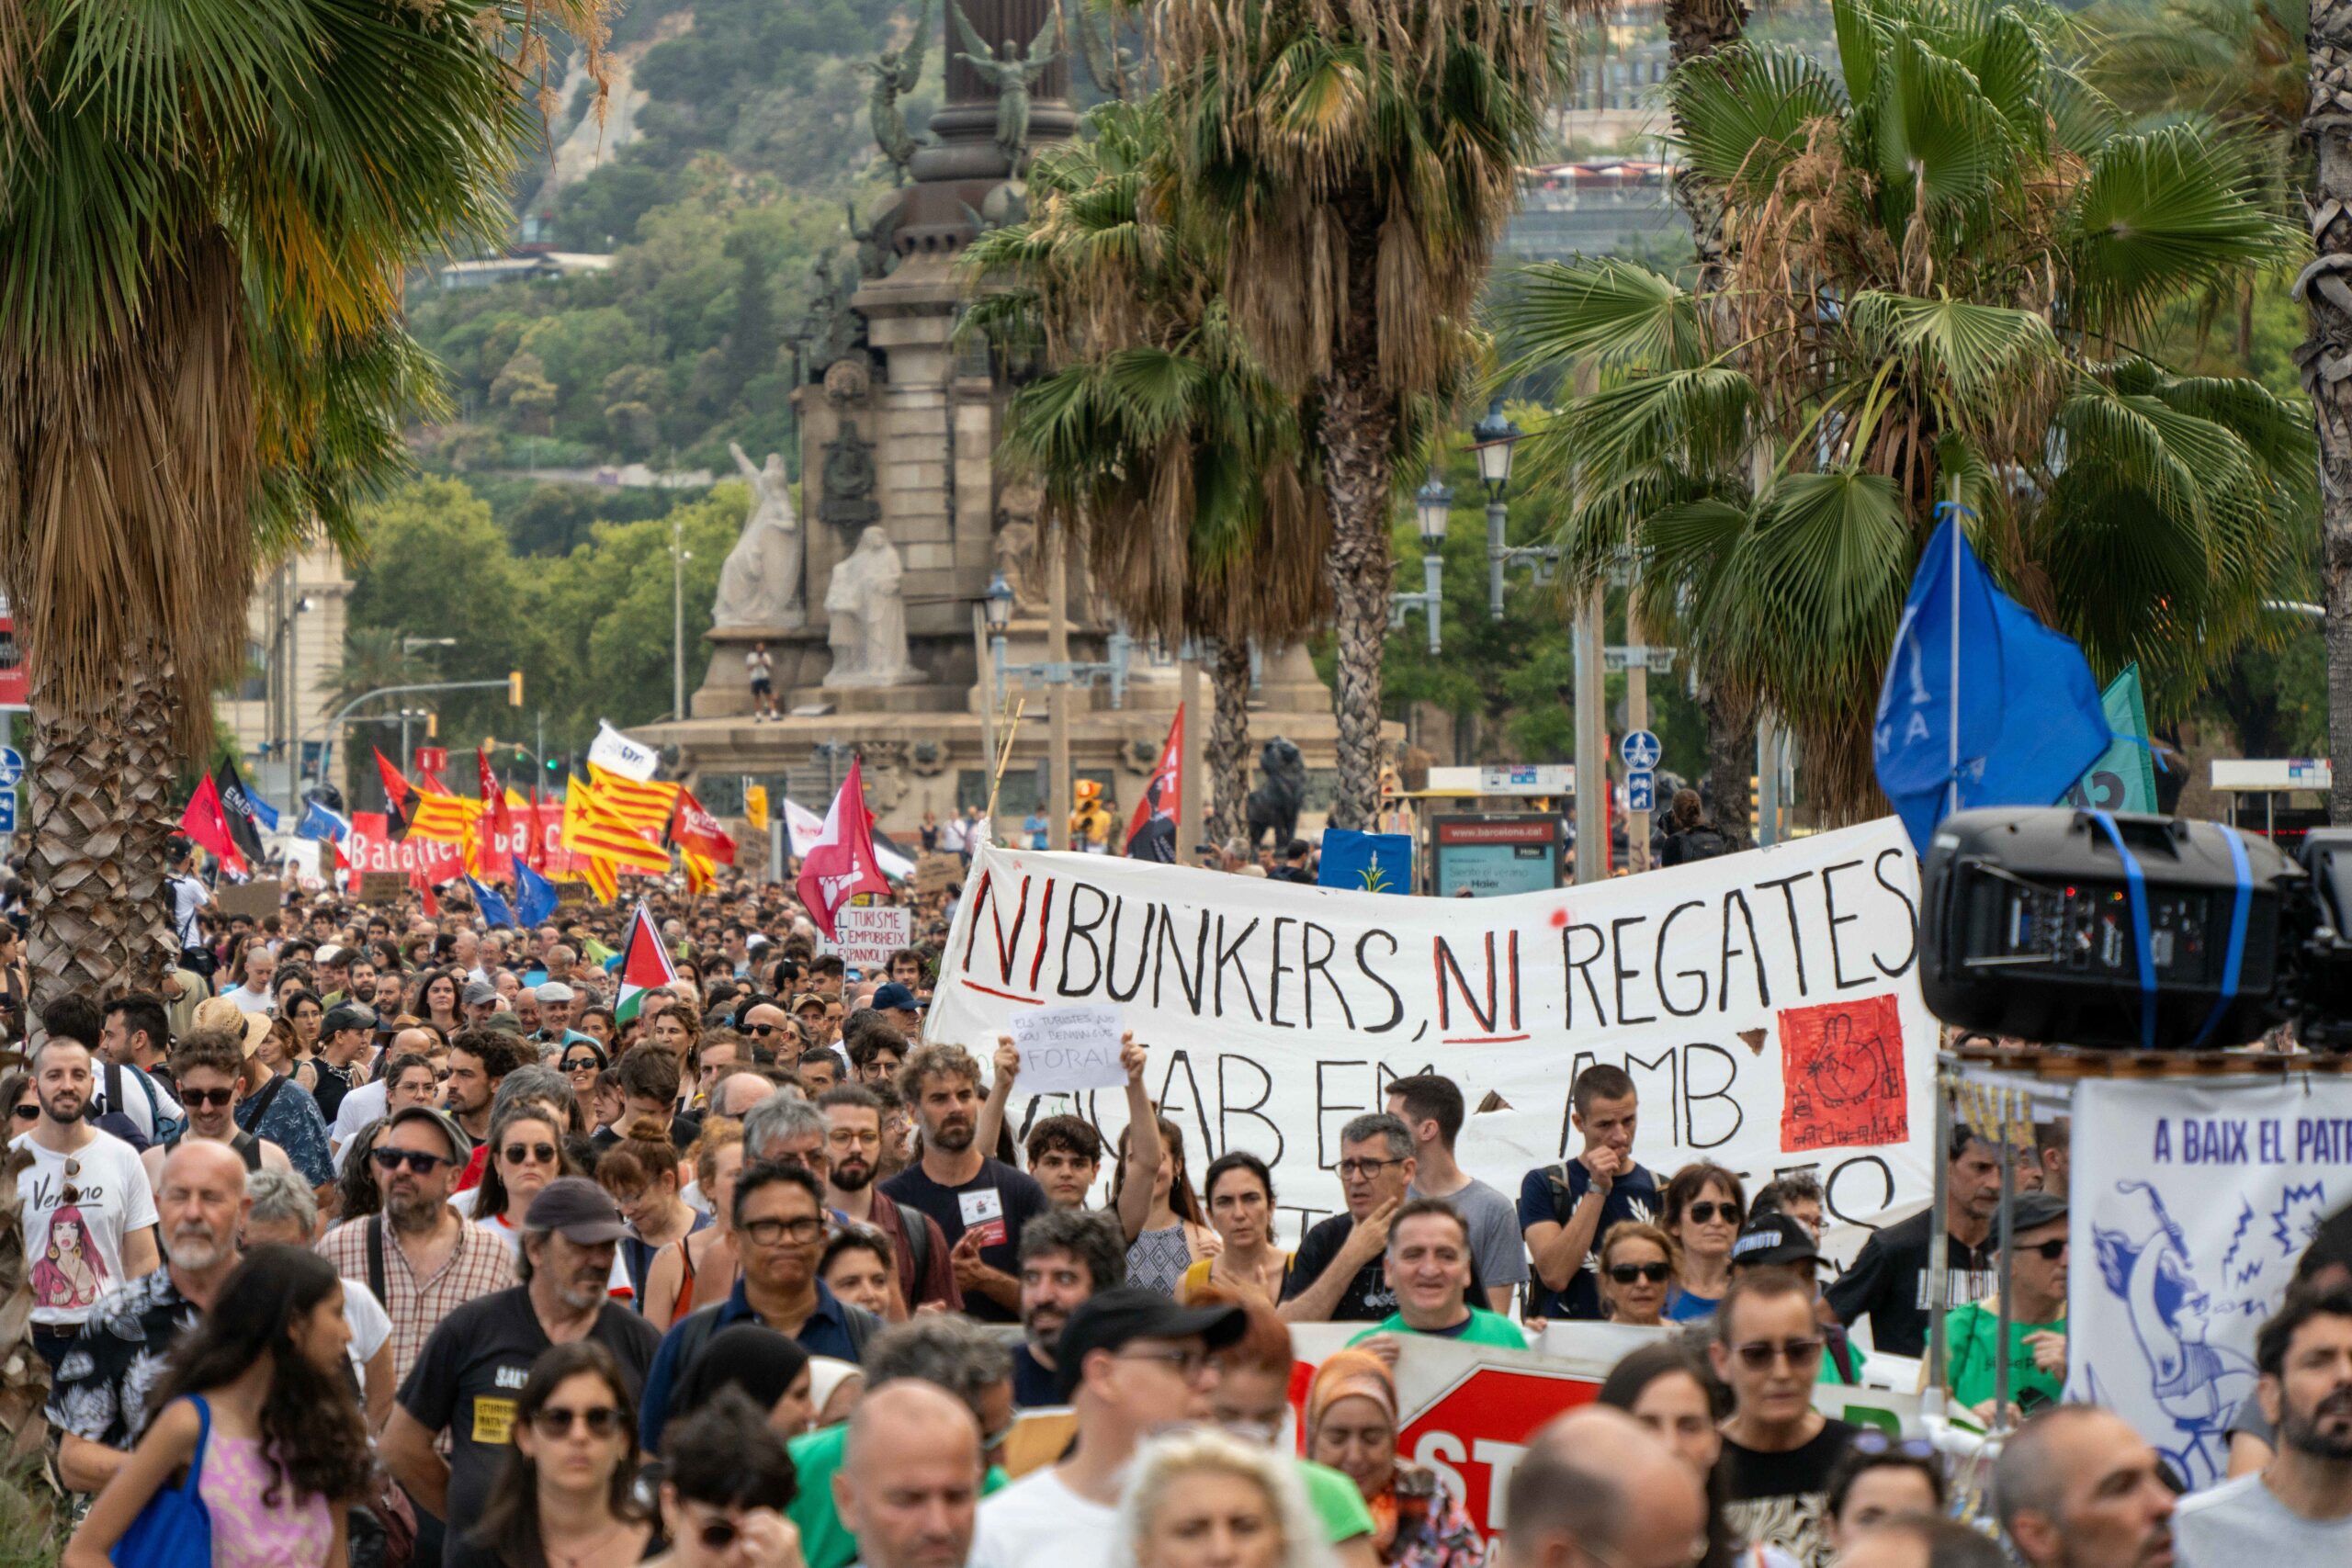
(2124, 778)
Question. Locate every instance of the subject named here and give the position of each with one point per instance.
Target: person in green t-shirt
(2036, 1345)
(1428, 1267)
(942, 1349)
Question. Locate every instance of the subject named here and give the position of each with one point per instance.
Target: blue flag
(534, 895)
(318, 822)
(1368, 862)
(1984, 705)
(493, 908)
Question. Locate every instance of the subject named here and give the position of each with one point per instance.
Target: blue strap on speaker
(2233, 956)
(2136, 887)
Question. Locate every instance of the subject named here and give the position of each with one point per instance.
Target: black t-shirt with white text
(1016, 1196)
(1888, 1283)
(1367, 1298)
(470, 1373)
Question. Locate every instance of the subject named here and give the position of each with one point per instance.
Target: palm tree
(2325, 288)
(1155, 431)
(1939, 258)
(206, 209)
(1357, 163)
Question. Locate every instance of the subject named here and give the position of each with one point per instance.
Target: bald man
(910, 1481)
(738, 1092)
(97, 1402)
(1596, 1490)
(2077, 1487)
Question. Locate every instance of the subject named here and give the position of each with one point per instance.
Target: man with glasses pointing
(1339, 1272)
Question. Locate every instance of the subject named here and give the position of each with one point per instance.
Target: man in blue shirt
(779, 1235)
(1565, 1210)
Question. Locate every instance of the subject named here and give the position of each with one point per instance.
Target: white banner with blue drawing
(2192, 1200)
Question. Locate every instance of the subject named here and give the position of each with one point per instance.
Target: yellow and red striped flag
(591, 828)
(635, 805)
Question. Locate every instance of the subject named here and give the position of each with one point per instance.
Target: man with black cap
(2036, 1342)
(475, 1364)
(1783, 1241)
(897, 1005)
(343, 1036)
(1129, 1360)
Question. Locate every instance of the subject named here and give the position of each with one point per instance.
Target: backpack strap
(376, 1258)
(916, 1225)
(261, 1106)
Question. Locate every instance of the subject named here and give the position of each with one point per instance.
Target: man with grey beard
(472, 1370)
(2297, 1508)
(97, 1401)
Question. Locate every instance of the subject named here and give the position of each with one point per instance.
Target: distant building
(1592, 207)
(280, 706)
(542, 266)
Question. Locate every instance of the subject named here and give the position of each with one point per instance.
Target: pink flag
(841, 862)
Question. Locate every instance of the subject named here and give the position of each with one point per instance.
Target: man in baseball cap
(478, 1001)
(1782, 1240)
(474, 1364)
(343, 1036)
(1129, 1360)
(898, 1008)
(2036, 1342)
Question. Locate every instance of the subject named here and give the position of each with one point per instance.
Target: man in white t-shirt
(1129, 1360)
(2298, 1507)
(88, 1215)
(758, 669)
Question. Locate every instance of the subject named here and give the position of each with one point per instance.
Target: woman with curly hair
(258, 1406)
(357, 1194)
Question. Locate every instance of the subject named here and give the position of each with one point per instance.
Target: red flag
(205, 822)
(537, 857)
(501, 821)
(841, 862)
(1151, 833)
(694, 828)
(396, 792)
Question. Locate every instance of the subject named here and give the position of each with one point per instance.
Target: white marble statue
(760, 584)
(865, 601)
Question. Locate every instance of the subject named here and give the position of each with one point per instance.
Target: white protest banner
(2191, 1199)
(867, 934)
(1064, 1050)
(1765, 1005)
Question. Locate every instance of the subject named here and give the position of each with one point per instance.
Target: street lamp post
(678, 558)
(1057, 674)
(1432, 509)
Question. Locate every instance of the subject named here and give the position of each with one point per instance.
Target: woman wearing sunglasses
(583, 1060)
(726, 1482)
(526, 1151)
(1702, 1210)
(564, 1495)
(1637, 1269)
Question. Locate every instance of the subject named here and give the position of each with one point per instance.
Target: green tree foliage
(1945, 250)
(677, 350)
(589, 627)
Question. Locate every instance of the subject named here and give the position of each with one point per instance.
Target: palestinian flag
(645, 964)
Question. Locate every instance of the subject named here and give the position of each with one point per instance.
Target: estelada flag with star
(645, 964)
(840, 863)
(1151, 833)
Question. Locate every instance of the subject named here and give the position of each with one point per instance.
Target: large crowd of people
(393, 1238)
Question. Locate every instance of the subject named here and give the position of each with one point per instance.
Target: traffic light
(433, 727)
(555, 764)
(513, 688)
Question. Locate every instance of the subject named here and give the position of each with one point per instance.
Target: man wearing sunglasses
(209, 1068)
(1778, 1450)
(419, 1256)
(2036, 1345)
(467, 1381)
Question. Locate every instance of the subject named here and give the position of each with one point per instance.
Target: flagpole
(1951, 783)
(1004, 755)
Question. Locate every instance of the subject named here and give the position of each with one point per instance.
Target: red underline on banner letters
(1017, 997)
(1467, 1040)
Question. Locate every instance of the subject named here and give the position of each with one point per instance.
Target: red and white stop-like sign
(1473, 1433)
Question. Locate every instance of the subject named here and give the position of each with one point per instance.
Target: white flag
(616, 753)
(806, 830)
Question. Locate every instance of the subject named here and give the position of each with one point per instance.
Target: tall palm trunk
(1228, 745)
(99, 807)
(1694, 29)
(1357, 433)
(2325, 357)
